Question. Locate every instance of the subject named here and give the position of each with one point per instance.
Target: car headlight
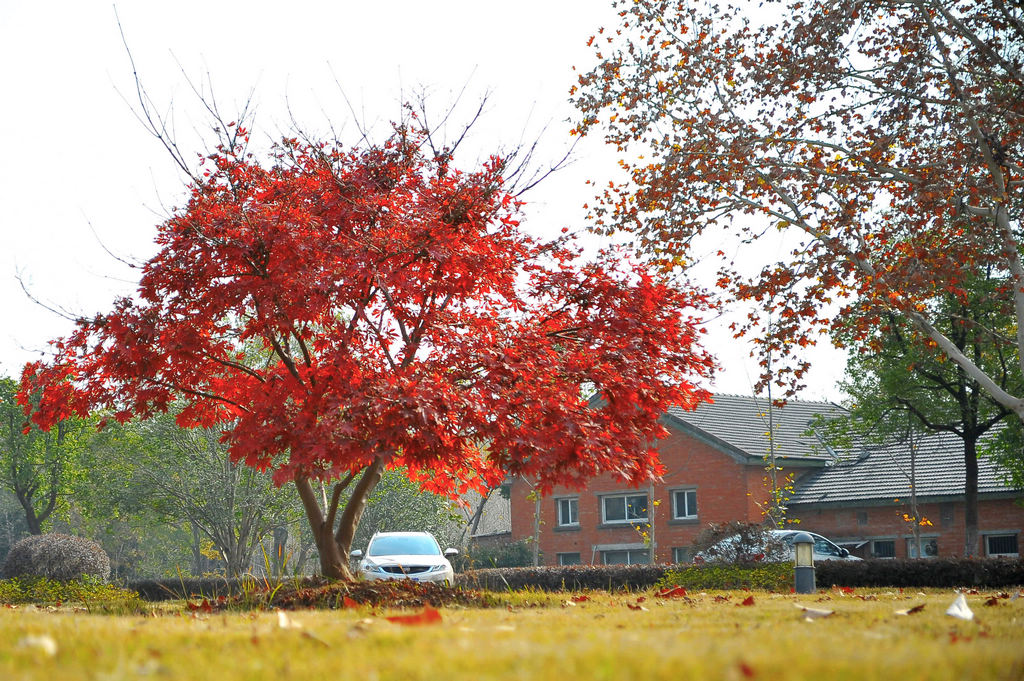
(373, 567)
(437, 568)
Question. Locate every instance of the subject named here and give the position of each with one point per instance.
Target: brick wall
(722, 484)
(883, 522)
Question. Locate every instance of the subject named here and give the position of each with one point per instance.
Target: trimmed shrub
(989, 573)
(768, 576)
(564, 578)
(944, 572)
(58, 557)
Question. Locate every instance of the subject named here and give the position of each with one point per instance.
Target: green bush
(514, 554)
(94, 594)
(769, 576)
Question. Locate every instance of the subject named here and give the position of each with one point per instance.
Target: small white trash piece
(959, 609)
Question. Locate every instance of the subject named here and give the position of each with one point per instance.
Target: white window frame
(995, 535)
(605, 498)
(688, 513)
(681, 554)
(572, 506)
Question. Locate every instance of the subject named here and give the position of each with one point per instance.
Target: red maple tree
(342, 310)
(883, 137)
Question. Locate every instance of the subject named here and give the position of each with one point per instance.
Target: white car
(406, 555)
(779, 548)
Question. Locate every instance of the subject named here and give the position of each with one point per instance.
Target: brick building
(715, 458)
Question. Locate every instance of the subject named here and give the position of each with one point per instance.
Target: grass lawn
(711, 635)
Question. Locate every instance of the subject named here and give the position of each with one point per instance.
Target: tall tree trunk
(334, 546)
(970, 496)
(332, 565)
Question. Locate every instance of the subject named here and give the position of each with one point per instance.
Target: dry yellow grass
(704, 636)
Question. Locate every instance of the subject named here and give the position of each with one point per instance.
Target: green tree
(898, 370)
(35, 465)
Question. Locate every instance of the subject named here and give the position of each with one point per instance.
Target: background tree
(186, 477)
(899, 369)
(882, 138)
(35, 464)
(403, 320)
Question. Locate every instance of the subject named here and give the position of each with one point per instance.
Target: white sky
(79, 170)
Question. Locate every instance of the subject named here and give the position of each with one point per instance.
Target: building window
(568, 559)
(929, 547)
(624, 508)
(681, 554)
(883, 548)
(568, 511)
(1001, 545)
(684, 504)
(862, 517)
(626, 557)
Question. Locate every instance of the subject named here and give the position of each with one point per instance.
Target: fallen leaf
(911, 611)
(994, 600)
(286, 622)
(580, 599)
(747, 671)
(636, 607)
(959, 609)
(428, 616)
(671, 592)
(846, 589)
(749, 600)
(43, 643)
(349, 602)
(316, 639)
(568, 604)
(813, 613)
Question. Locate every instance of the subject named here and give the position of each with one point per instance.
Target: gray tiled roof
(884, 474)
(741, 423)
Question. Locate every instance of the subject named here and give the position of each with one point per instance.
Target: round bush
(56, 556)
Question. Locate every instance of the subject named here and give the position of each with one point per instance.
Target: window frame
(925, 541)
(684, 492)
(629, 553)
(988, 536)
(883, 540)
(625, 496)
(573, 508)
(561, 557)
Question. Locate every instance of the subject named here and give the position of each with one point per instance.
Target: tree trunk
(333, 546)
(970, 496)
(332, 565)
(356, 505)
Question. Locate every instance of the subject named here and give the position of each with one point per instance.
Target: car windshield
(406, 545)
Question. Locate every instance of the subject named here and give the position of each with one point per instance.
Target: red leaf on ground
(747, 671)
(428, 616)
(671, 592)
(632, 606)
(204, 606)
(721, 599)
(349, 603)
(749, 600)
(580, 599)
(992, 601)
(846, 589)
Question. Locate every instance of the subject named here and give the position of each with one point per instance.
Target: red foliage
(336, 306)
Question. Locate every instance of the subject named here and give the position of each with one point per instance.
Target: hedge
(927, 572)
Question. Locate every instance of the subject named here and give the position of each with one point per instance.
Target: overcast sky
(80, 176)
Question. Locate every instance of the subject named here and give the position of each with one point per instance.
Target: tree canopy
(883, 136)
(341, 310)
